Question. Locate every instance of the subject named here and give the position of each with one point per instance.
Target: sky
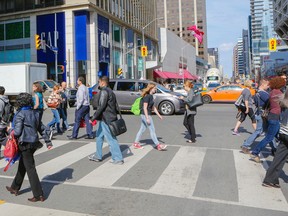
(225, 21)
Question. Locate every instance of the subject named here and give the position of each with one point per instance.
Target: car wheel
(207, 99)
(71, 104)
(166, 108)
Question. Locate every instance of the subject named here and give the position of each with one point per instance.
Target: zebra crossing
(182, 172)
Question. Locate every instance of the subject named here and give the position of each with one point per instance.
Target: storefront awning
(188, 75)
(159, 74)
(171, 75)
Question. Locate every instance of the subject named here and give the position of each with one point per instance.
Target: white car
(180, 89)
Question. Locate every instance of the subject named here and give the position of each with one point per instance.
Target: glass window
(125, 86)
(14, 30)
(27, 29)
(116, 33)
(1, 32)
(142, 85)
(223, 88)
(111, 85)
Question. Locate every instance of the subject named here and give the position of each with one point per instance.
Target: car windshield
(50, 83)
(213, 85)
(162, 88)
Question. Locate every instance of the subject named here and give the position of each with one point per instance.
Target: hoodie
(3, 99)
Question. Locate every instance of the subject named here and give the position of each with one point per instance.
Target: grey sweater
(82, 96)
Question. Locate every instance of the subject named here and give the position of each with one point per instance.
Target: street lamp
(143, 42)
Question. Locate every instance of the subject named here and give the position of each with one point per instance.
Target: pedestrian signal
(272, 44)
(37, 42)
(60, 69)
(144, 52)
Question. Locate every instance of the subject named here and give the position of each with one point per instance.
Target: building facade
(214, 53)
(281, 19)
(180, 14)
(89, 37)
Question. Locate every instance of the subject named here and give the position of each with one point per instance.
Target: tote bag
(197, 100)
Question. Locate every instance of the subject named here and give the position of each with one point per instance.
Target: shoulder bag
(118, 127)
(196, 101)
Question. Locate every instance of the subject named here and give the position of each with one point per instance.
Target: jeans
(144, 126)
(104, 131)
(272, 130)
(55, 120)
(63, 115)
(82, 112)
(259, 129)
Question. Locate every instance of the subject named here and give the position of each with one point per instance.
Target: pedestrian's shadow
(150, 141)
(50, 181)
(282, 175)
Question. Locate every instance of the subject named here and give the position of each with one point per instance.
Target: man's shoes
(89, 137)
(270, 185)
(36, 199)
(137, 145)
(93, 158)
(117, 162)
(12, 191)
(69, 128)
(71, 137)
(245, 150)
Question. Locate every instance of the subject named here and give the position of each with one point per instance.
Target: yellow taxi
(224, 93)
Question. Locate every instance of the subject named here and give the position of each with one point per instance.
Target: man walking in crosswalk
(106, 113)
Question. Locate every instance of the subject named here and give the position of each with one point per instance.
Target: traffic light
(119, 71)
(37, 42)
(60, 69)
(144, 52)
(272, 44)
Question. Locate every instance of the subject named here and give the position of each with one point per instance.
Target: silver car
(127, 90)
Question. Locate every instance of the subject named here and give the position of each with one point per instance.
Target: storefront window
(117, 61)
(117, 33)
(14, 30)
(130, 74)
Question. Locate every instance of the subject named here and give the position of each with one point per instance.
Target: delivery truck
(19, 77)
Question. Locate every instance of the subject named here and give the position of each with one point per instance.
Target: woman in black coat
(26, 124)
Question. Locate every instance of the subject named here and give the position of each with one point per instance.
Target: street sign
(54, 49)
(272, 44)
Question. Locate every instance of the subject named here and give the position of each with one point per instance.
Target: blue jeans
(144, 126)
(259, 129)
(272, 130)
(55, 120)
(83, 112)
(62, 113)
(104, 131)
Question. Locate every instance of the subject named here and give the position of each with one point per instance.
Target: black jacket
(106, 109)
(27, 126)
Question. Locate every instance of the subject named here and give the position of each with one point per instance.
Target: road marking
(107, 174)
(251, 192)
(181, 174)
(20, 210)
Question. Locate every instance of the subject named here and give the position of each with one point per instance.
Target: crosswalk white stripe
(56, 144)
(20, 210)
(181, 174)
(107, 174)
(57, 164)
(251, 192)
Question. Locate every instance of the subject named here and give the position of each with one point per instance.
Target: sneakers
(69, 128)
(93, 158)
(245, 150)
(255, 158)
(117, 162)
(137, 146)
(235, 133)
(270, 185)
(161, 147)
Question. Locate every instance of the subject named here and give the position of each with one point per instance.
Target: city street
(209, 177)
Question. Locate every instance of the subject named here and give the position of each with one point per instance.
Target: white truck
(213, 75)
(19, 77)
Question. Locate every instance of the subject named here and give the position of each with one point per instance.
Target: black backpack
(8, 112)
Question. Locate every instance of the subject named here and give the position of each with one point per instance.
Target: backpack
(8, 112)
(95, 100)
(135, 109)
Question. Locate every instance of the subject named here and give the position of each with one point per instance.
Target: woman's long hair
(188, 84)
(284, 100)
(147, 90)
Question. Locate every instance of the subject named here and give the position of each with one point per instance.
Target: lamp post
(143, 43)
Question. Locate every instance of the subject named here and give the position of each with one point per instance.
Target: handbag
(53, 105)
(196, 101)
(239, 102)
(11, 150)
(118, 127)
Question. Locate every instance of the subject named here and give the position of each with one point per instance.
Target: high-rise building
(281, 19)
(180, 14)
(261, 30)
(214, 52)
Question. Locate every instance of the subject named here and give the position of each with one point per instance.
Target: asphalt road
(209, 177)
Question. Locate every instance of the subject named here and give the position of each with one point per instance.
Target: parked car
(225, 93)
(180, 89)
(71, 96)
(128, 90)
